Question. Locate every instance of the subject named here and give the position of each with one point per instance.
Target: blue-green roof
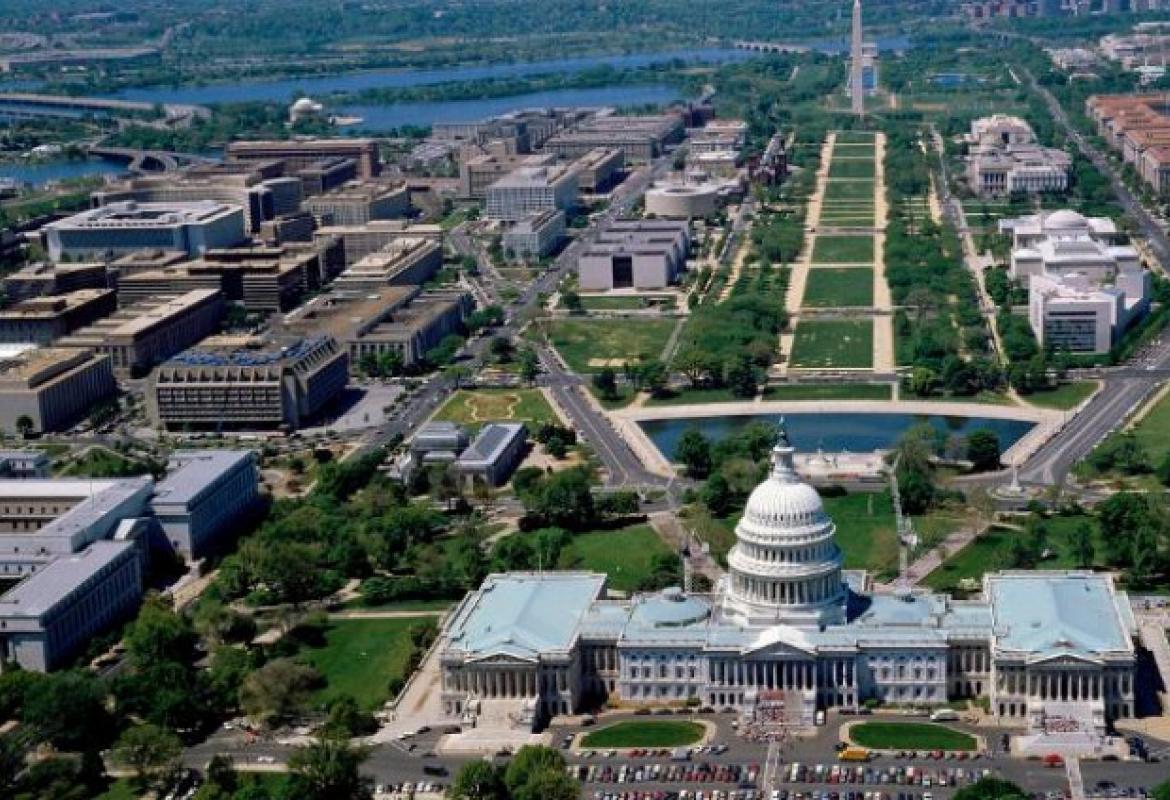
(1059, 613)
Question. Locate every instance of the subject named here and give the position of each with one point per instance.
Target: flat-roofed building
(53, 388)
(359, 203)
(303, 153)
(287, 228)
(125, 227)
(44, 518)
(641, 139)
(535, 235)
(1003, 157)
(358, 241)
(203, 494)
(414, 330)
(327, 174)
(494, 454)
(145, 261)
(140, 336)
(598, 169)
(479, 171)
(405, 261)
(25, 464)
(638, 254)
(51, 615)
(439, 442)
(241, 383)
(45, 278)
(43, 320)
(261, 189)
(530, 190)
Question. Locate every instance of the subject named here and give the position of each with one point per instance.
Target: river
(855, 432)
(41, 172)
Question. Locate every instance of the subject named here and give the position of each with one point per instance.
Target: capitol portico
(787, 632)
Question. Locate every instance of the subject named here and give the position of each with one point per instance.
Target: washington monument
(856, 87)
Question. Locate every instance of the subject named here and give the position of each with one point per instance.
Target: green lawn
(866, 531)
(910, 736)
(829, 391)
(851, 168)
(626, 302)
(1064, 396)
(588, 345)
(684, 397)
(833, 343)
(120, 789)
(839, 286)
(98, 462)
(855, 137)
(843, 250)
(851, 189)
(1153, 431)
(648, 733)
(624, 554)
(475, 407)
(962, 571)
(359, 657)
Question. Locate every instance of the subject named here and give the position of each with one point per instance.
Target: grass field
(843, 250)
(833, 343)
(849, 190)
(647, 733)
(1064, 396)
(624, 554)
(359, 657)
(845, 137)
(1153, 431)
(910, 736)
(683, 397)
(851, 168)
(866, 531)
(832, 287)
(992, 551)
(829, 391)
(589, 345)
(475, 407)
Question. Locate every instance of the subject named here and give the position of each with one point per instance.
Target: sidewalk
(884, 358)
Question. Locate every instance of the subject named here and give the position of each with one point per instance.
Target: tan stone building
(54, 388)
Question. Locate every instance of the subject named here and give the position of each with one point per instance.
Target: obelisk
(856, 89)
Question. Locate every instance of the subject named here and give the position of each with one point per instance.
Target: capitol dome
(785, 566)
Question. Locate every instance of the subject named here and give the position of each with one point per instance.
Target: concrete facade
(54, 388)
(531, 190)
(359, 203)
(190, 227)
(43, 320)
(203, 494)
(534, 236)
(640, 254)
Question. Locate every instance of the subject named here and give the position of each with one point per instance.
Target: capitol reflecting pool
(836, 432)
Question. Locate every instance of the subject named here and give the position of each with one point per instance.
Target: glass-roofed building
(788, 632)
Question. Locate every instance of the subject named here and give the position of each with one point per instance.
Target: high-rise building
(856, 84)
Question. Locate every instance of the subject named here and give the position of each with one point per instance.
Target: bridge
(20, 105)
(770, 47)
(147, 160)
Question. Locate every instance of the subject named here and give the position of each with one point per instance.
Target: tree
(549, 785)
(278, 690)
(148, 750)
(347, 719)
(11, 762)
(562, 499)
(572, 301)
(529, 761)
(693, 363)
(1082, 545)
(605, 382)
(68, 709)
(478, 780)
(983, 450)
(694, 452)
(529, 364)
(717, 495)
(1162, 791)
(502, 349)
(741, 377)
(329, 769)
(25, 425)
(158, 634)
(991, 789)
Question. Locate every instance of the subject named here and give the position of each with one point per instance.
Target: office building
(51, 615)
(44, 518)
(359, 203)
(138, 337)
(478, 171)
(25, 464)
(637, 254)
(144, 261)
(121, 228)
(261, 190)
(530, 190)
(787, 633)
(406, 261)
(204, 494)
(299, 154)
(413, 330)
(534, 236)
(43, 320)
(1003, 158)
(639, 138)
(46, 278)
(358, 241)
(599, 169)
(245, 383)
(1084, 290)
(327, 174)
(494, 454)
(53, 388)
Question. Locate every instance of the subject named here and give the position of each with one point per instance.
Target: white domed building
(786, 632)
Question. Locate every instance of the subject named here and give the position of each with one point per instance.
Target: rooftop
(60, 578)
(193, 471)
(491, 441)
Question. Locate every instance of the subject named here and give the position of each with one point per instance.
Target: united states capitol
(788, 632)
